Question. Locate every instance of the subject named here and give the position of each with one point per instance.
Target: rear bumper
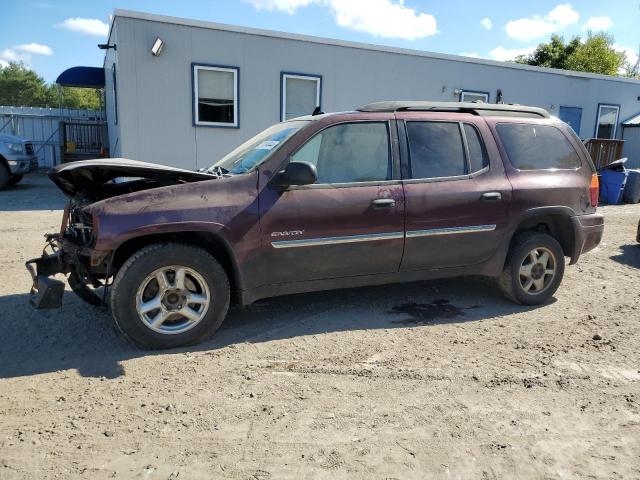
(588, 230)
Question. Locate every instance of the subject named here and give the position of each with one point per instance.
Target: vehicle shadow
(34, 192)
(83, 338)
(630, 255)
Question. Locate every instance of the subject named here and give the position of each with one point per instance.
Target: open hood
(93, 178)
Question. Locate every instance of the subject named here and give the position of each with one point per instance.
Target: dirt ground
(441, 379)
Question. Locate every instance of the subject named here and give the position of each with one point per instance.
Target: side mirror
(296, 173)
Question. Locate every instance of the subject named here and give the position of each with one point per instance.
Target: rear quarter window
(537, 147)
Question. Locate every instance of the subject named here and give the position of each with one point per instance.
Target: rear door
(456, 192)
(351, 222)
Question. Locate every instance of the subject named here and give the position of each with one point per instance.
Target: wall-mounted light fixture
(457, 92)
(157, 47)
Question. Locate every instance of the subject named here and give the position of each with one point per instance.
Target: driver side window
(349, 152)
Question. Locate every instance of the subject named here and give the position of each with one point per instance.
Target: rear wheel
(169, 295)
(533, 270)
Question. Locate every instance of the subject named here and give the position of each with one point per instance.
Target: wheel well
(4, 163)
(556, 225)
(205, 240)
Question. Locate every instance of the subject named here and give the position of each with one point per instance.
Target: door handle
(491, 196)
(383, 203)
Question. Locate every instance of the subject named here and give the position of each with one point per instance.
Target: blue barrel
(612, 185)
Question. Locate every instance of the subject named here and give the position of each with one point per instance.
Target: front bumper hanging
(46, 292)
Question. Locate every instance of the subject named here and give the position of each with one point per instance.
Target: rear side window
(349, 152)
(436, 149)
(537, 147)
(478, 158)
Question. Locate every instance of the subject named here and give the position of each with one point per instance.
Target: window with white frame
(607, 123)
(215, 96)
(300, 95)
(471, 96)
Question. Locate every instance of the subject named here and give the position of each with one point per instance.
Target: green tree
(22, 87)
(551, 55)
(595, 54)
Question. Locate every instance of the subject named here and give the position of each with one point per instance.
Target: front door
(456, 194)
(351, 222)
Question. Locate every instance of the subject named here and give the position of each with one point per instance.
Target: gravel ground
(441, 379)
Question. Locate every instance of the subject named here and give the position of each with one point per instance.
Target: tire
(5, 175)
(15, 179)
(514, 285)
(81, 289)
(137, 284)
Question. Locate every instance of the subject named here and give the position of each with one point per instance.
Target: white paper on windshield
(267, 145)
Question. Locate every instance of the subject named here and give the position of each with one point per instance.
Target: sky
(52, 35)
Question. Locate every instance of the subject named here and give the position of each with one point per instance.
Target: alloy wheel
(537, 271)
(173, 299)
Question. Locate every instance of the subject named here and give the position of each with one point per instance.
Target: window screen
(351, 152)
(216, 94)
(537, 147)
(435, 150)
(301, 95)
(478, 158)
(607, 121)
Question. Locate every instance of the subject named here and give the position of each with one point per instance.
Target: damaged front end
(72, 251)
(69, 252)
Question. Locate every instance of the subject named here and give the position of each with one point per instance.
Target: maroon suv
(392, 192)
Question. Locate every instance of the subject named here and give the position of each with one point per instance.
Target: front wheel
(533, 270)
(170, 295)
(15, 179)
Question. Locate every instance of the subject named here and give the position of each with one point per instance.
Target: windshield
(257, 149)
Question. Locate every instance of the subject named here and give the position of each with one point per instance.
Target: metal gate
(83, 140)
(45, 128)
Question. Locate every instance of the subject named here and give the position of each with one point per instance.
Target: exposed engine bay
(70, 251)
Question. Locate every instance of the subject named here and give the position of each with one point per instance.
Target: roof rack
(475, 108)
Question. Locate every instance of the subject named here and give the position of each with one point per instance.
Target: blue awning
(84, 77)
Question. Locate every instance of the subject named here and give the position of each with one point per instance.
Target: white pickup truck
(17, 158)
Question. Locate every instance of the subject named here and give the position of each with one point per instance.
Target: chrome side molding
(311, 242)
(450, 231)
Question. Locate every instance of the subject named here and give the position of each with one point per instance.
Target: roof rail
(476, 108)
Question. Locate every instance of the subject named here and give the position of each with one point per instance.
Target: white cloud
(504, 54)
(486, 23)
(563, 15)
(381, 18)
(11, 55)
(631, 55)
(470, 54)
(22, 53)
(35, 48)
(598, 24)
(537, 26)
(289, 6)
(88, 26)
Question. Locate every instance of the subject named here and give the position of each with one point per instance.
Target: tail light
(594, 190)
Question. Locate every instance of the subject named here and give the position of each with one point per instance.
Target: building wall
(631, 137)
(155, 96)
